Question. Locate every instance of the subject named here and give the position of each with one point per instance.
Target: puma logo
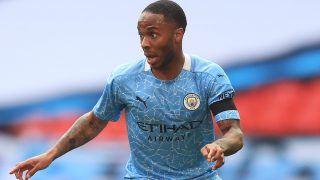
(143, 101)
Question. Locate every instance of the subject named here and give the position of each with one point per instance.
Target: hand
(213, 152)
(32, 165)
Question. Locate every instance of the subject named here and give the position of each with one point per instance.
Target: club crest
(191, 101)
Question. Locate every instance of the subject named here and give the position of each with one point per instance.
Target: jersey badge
(191, 101)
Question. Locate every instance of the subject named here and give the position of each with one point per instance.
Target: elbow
(240, 140)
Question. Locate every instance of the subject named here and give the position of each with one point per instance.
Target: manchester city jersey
(168, 121)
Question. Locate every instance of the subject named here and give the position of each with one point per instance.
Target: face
(159, 39)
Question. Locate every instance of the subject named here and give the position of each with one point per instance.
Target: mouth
(151, 59)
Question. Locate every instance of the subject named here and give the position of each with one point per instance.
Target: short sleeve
(109, 105)
(220, 88)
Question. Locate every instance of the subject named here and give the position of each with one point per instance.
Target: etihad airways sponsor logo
(160, 138)
(165, 128)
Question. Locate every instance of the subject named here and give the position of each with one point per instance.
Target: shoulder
(205, 66)
(128, 69)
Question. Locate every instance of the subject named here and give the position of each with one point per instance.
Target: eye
(153, 35)
(141, 36)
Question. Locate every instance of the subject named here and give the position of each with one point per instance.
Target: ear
(179, 35)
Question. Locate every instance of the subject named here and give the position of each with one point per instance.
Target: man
(168, 98)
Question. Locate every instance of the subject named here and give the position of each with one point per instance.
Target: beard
(167, 56)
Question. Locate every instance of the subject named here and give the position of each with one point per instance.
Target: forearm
(231, 142)
(82, 131)
(232, 139)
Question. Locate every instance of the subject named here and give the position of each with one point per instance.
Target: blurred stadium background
(56, 55)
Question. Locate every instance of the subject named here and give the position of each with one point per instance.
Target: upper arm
(226, 114)
(95, 122)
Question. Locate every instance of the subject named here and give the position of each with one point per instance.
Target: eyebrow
(151, 28)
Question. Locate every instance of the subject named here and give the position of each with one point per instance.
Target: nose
(145, 43)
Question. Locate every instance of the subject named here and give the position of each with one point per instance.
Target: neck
(171, 70)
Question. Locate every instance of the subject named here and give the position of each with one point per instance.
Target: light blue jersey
(168, 121)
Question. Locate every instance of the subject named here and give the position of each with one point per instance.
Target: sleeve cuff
(230, 114)
(114, 118)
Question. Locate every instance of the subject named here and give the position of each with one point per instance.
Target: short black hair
(170, 10)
